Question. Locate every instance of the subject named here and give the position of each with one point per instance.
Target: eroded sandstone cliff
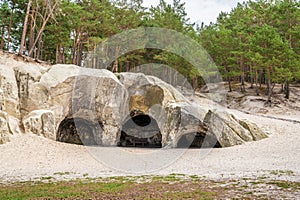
(96, 107)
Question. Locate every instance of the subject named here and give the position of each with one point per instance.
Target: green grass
(285, 184)
(62, 173)
(58, 190)
(109, 188)
(85, 175)
(172, 178)
(263, 177)
(282, 172)
(173, 186)
(46, 178)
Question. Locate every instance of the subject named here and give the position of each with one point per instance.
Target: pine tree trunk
(25, 26)
(242, 65)
(287, 89)
(32, 28)
(57, 60)
(10, 27)
(2, 38)
(94, 56)
(243, 84)
(75, 49)
(39, 48)
(79, 54)
(269, 89)
(43, 28)
(229, 83)
(63, 55)
(256, 82)
(252, 78)
(260, 79)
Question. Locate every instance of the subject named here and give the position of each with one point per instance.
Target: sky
(202, 10)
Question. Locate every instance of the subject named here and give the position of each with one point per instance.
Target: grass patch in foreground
(147, 187)
(75, 189)
(285, 184)
(282, 172)
(105, 190)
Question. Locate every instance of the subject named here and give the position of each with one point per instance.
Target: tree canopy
(257, 42)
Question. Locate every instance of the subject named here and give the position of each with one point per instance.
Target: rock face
(9, 125)
(231, 131)
(96, 107)
(4, 131)
(9, 98)
(167, 108)
(40, 122)
(96, 96)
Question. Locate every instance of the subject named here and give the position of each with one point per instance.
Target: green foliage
(11, 17)
(258, 41)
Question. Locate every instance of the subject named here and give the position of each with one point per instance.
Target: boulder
(231, 131)
(40, 122)
(173, 113)
(9, 125)
(182, 119)
(86, 94)
(254, 130)
(14, 125)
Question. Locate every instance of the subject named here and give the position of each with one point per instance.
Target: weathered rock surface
(9, 99)
(31, 94)
(231, 131)
(169, 108)
(88, 94)
(40, 122)
(9, 125)
(96, 107)
(4, 131)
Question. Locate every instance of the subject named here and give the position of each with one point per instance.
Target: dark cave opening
(198, 140)
(140, 131)
(142, 120)
(77, 131)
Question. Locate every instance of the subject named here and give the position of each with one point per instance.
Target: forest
(256, 42)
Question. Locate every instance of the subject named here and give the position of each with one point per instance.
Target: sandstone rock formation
(96, 107)
(231, 131)
(40, 122)
(4, 131)
(9, 125)
(9, 98)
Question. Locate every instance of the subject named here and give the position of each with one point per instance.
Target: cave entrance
(141, 131)
(77, 131)
(198, 140)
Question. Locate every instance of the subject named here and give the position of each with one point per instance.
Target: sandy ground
(30, 157)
